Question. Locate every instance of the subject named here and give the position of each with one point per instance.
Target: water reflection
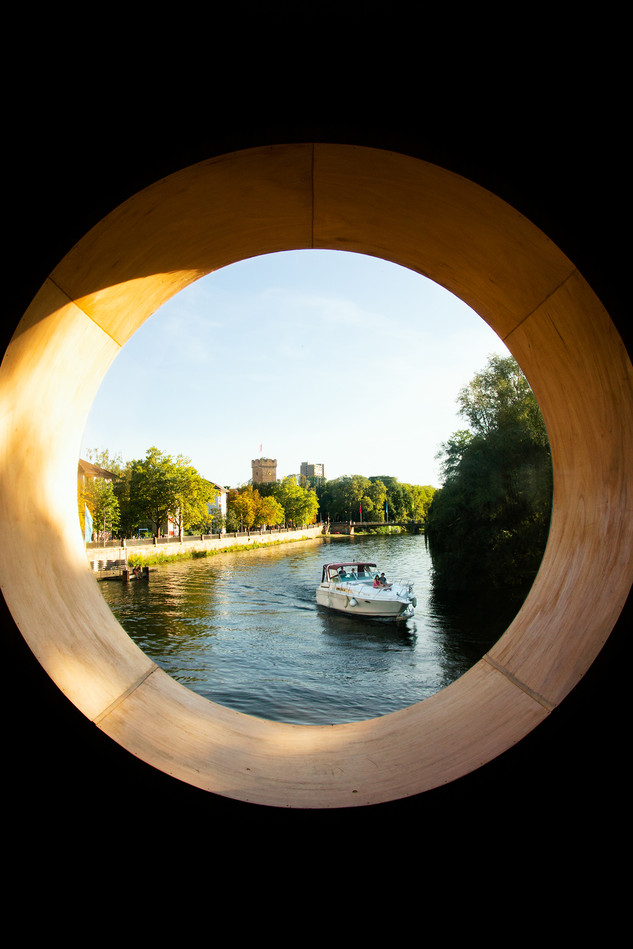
(244, 630)
(468, 625)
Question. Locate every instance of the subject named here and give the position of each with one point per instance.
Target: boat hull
(363, 603)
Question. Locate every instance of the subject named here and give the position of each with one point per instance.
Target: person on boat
(377, 582)
(383, 581)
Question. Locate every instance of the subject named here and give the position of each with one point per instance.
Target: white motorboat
(357, 588)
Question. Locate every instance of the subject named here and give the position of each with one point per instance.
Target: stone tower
(263, 470)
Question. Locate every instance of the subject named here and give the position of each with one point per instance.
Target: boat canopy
(355, 569)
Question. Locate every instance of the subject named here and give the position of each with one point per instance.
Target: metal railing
(195, 538)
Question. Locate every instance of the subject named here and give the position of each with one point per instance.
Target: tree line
(379, 498)
(150, 490)
(488, 524)
(159, 487)
(271, 504)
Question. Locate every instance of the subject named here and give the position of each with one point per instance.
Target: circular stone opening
(336, 197)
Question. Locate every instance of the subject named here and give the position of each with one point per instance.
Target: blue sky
(318, 356)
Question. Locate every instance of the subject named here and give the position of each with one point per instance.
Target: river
(244, 630)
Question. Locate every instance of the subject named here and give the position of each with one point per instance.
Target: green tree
(194, 494)
(396, 500)
(128, 520)
(103, 505)
(269, 512)
(153, 494)
(488, 523)
(233, 521)
(379, 497)
(334, 502)
(500, 399)
(377, 493)
(161, 487)
(362, 503)
(103, 458)
(452, 452)
(248, 508)
(299, 504)
(241, 508)
(100, 495)
(420, 497)
(345, 498)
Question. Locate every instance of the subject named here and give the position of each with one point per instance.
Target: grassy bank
(159, 557)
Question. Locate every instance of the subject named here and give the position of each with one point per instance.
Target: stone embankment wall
(112, 556)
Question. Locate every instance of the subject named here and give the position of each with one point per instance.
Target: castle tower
(263, 470)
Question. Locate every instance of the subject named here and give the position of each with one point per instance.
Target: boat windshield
(352, 572)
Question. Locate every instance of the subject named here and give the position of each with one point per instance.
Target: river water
(244, 630)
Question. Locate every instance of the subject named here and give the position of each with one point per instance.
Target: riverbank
(111, 560)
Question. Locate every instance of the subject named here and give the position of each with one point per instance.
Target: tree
(300, 505)
(240, 509)
(104, 459)
(194, 494)
(103, 505)
(395, 501)
(332, 500)
(488, 523)
(161, 487)
(100, 494)
(269, 512)
(500, 398)
(379, 498)
(420, 497)
(248, 508)
(344, 498)
(153, 494)
(128, 520)
(377, 493)
(452, 452)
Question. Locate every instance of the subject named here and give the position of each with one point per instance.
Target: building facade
(312, 470)
(218, 505)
